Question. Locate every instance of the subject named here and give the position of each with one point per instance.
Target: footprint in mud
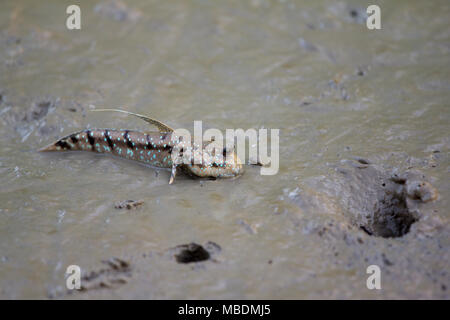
(193, 252)
(115, 273)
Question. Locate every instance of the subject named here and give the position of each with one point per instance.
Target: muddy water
(354, 108)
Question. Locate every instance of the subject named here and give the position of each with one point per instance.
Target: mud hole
(193, 252)
(381, 203)
(381, 211)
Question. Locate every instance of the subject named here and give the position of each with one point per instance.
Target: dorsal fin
(161, 126)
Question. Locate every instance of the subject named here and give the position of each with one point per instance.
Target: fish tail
(153, 149)
(83, 140)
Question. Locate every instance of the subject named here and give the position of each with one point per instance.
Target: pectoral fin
(173, 174)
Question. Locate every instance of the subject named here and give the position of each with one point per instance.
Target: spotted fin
(161, 126)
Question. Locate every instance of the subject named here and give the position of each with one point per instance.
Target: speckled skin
(153, 148)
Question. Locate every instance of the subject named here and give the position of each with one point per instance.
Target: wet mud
(128, 204)
(364, 150)
(117, 272)
(193, 252)
(383, 203)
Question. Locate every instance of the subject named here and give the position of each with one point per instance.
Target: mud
(113, 273)
(383, 203)
(364, 150)
(38, 111)
(193, 252)
(117, 10)
(128, 204)
(117, 272)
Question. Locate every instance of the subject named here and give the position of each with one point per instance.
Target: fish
(160, 148)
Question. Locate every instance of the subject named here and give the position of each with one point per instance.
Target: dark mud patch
(358, 15)
(17, 114)
(193, 252)
(25, 117)
(38, 111)
(381, 203)
(128, 204)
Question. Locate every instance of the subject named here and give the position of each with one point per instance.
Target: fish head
(212, 161)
